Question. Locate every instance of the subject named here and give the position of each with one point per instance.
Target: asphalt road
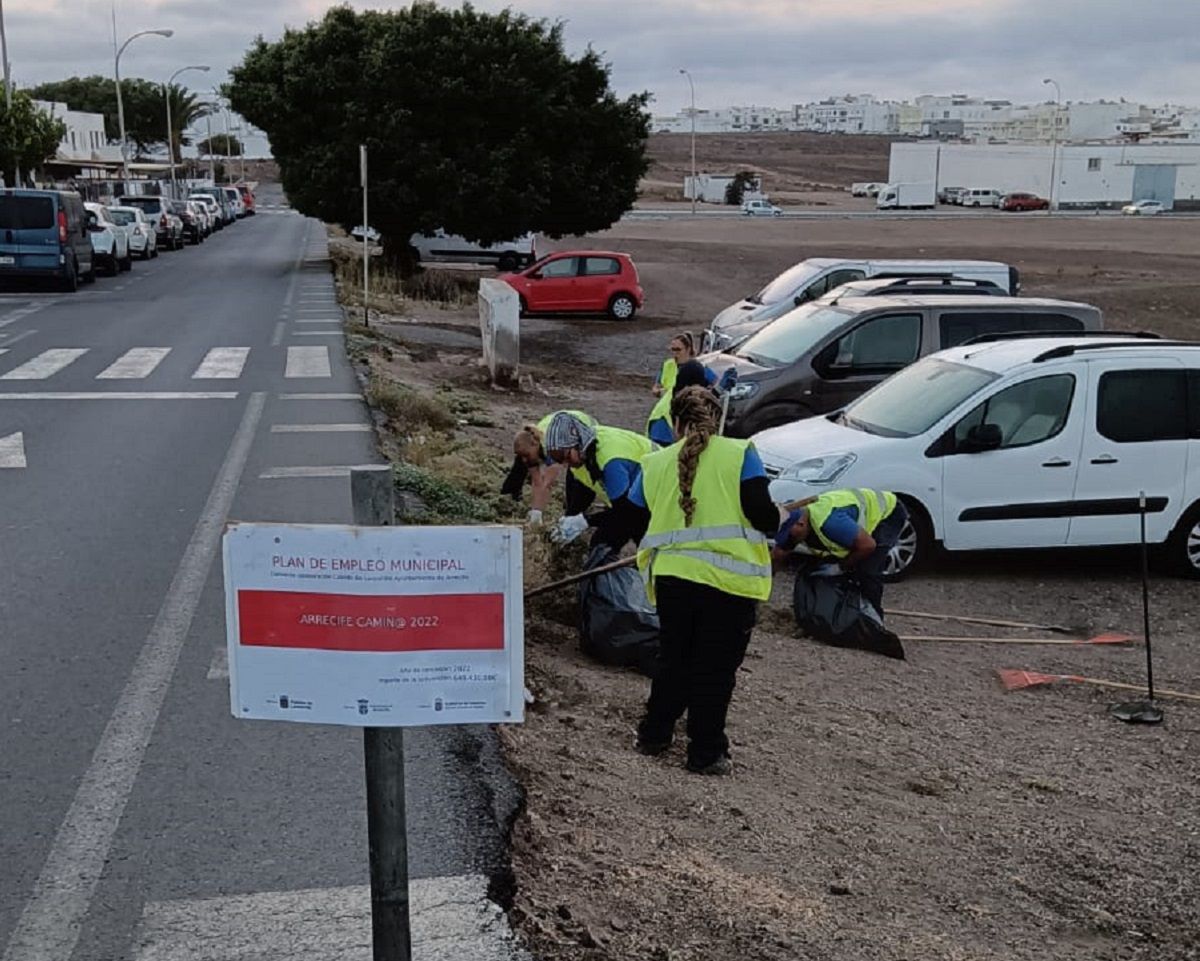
(148, 409)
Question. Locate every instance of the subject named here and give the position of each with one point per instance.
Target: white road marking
(17, 338)
(124, 395)
(320, 428)
(277, 337)
(317, 333)
(46, 364)
(222, 363)
(332, 470)
(3, 350)
(314, 396)
(308, 362)
(50, 924)
(135, 364)
(219, 667)
(309, 320)
(452, 917)
(12, 451)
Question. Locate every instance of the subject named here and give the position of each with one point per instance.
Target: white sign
(375, 626)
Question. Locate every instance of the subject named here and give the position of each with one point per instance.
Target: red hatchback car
(1024, 202)
(579, 281)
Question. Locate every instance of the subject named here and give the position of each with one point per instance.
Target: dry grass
(390, 291)
(410, 412)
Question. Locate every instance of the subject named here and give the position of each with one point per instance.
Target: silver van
(821, 356)
(980, 197)
(811, 278)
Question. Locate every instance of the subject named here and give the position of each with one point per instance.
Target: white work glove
(534, 518)
(828, 570)
(569, 528)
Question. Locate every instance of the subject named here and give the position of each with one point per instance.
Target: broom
(1016, 680)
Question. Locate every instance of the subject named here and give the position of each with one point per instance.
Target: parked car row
(1000, 421)
(55, 235)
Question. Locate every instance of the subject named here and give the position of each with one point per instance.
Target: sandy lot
(878, 810)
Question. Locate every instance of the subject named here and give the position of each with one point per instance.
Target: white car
(371, 233)
(1143, 208)
(110, 246)
(143, 240)
(216, 219)
(760, 208)
(1037, 442)
(866, 189)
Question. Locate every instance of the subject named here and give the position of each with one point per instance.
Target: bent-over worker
(856, 528)
(530, 460)
(703, 512)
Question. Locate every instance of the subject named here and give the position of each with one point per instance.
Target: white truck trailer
(911, 196)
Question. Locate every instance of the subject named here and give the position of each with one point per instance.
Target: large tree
(28, 136)
(143, 101)
(221, 145)
(474, 122)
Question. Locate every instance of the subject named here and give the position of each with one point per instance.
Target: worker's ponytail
(528, 441)
(697, 415)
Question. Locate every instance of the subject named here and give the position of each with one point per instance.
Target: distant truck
(912, 196)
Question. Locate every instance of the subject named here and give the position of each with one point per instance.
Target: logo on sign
(363, 704)
(283, 700)
(438, 704)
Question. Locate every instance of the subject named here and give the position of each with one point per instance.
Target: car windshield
(122, 217)
(790, 337)
(910, 402)
(785, 285)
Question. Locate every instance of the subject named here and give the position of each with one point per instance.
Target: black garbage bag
(617, 623)
(833, 611)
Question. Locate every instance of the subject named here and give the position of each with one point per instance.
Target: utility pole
(1053, 144)
(362, 174)
(8, 90)
(212, 164)
(695, 185)
(171, 127)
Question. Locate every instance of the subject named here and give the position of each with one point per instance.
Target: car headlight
(819, 471)
(743, 391)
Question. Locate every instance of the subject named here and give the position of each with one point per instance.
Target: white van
(452, 248)
(1028, 442)
(980, 197)
(811, 278)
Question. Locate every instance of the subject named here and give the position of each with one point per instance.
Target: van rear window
(26, 213)
(958, 328)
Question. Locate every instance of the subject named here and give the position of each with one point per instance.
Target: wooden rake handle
(575, 578)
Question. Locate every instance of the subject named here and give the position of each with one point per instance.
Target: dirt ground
(792, 165)
(878, 810)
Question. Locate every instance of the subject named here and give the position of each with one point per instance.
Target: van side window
(1133, 406)
(1026, 413)
(831, 281)
(958, 327)
(880, 345)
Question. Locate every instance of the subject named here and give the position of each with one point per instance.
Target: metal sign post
(362, 165)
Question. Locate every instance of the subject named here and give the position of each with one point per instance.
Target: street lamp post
(171, 129)
(8, 86)
(695, 185)
(117, 76)
(1053, 143)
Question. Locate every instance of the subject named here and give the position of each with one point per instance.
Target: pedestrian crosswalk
(139, 363)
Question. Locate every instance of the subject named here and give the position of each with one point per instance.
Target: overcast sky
(769, 52)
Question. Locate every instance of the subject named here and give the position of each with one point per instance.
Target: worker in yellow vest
(682, 348)
(703, 513)
(530, 461)
(603, 463)
(855, 528)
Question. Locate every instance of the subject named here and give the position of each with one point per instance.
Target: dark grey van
(821, 356)
(43, 234)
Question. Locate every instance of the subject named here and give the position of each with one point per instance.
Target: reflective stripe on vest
(722, 550)
(873, 506)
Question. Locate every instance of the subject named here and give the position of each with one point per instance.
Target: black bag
(617, 623)
(833, 611)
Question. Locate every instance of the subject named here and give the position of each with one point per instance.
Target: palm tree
(186, 109)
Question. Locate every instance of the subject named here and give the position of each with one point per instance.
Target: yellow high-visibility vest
(720, 547)
(873, 506)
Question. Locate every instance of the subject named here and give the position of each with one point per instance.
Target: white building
(849, 114)
(1085, 175)
(85, 139)
(752, 119)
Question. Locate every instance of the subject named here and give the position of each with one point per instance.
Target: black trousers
(869, 572)
(703, 638)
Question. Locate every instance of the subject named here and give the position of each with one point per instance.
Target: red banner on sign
(355, 622)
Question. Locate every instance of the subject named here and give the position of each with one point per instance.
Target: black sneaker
(718, 768)
(652, 748)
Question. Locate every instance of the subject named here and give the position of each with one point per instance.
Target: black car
(167, 224)
(191, 225)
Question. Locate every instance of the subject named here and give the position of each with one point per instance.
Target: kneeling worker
(857, 528)
(706, 510)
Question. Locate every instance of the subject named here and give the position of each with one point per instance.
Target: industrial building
(1084, 175)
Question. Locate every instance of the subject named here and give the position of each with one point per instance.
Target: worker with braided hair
(704, 514)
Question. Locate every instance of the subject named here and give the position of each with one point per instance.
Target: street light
(8, 88)
(171, 129)
(117, 75)
(693, 89)
(1053, 142)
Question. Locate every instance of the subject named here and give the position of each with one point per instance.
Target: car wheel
(127, 262)
(622, 307)
(146, 252)
(90, 276)
(113, 267)
(522, 305)
(913, 545)
(1183, 546)
(70, 280)
(507, 262)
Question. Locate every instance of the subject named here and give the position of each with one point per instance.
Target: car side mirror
(802, 298)
(980, 438)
